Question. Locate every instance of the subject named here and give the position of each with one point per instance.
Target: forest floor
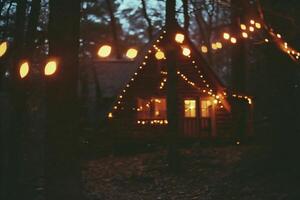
(226, 172)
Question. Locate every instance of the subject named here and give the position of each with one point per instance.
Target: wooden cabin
(140, 108)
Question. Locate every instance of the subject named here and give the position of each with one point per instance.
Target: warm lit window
(189, 108)
(152, 108)
(205, 108)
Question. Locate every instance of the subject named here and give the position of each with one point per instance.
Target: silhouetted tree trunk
(12, 155)
(239, 64)
(147, 18)
(172, 93)
(32, 27)
(114, 28)
(62, 141)
(186, 15)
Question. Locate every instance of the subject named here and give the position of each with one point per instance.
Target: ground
(208, 173)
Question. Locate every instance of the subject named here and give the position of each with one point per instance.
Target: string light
(104, 51)
(233, 40)
(243, 27)
(24, 70)
(50, 68)
(3, 48)
(245, 35)
(131, 53)
(226, 36)
(204, 49)
(179, 38)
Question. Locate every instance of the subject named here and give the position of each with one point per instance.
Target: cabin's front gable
(203, 108)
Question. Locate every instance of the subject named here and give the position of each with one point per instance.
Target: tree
(186, 15)
(172, 96)
(62, 156)
(113, 24)
(239, 69)
(147, 18)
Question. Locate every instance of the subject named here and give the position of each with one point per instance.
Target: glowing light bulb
(251, 29)
(3, 48)
(104, 51)
(179, 38)
(243, 27)
(204, 49)
(226, 36)
(219, 45)
(245, 35)
(131, 53)
(50, 68)
(233, 40)
(258, 25)
(214, 46)
(252, 22)
(24, 70)
(160, 55)
(186, 51)
(278, 35)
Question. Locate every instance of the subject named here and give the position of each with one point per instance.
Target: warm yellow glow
(251, 29)
(160, 55)
(233, 40)
(219, 45)
(104, 51)
(226, 36)
(186, 51)
(204, 49)
(243, 27)
(50, 68)
(215, 101)
(266, 40)
(3, 48)
(278, 35)
(131, 53)
(24, 69)
(252, 21)
(258, 25)
(245, 35)
(214, 46)
(110, 115)
(179, 38)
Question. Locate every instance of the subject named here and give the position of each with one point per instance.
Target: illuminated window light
(258, 25)
(204, 49)
(160, 55)
(104, 51)
(233, 40)
(251, 29)
(243, 27)
(179, 38)
(226, 36)
(24, 69)
(3, 48)
(186, 51)
(50, 68)
(131, 53)
(245, 35)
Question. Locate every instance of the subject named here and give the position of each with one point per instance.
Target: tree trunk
(238, 70)
(12, 154)
(114, 28)
(62, 139)
(186, 15)
(172, 93)
(147, 18)
(32, 27)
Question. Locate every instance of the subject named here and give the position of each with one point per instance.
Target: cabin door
(206, 113)
(191, 122)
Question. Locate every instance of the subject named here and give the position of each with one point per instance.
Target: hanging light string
(118, 105)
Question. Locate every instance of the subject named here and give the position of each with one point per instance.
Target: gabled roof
(193, 70)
